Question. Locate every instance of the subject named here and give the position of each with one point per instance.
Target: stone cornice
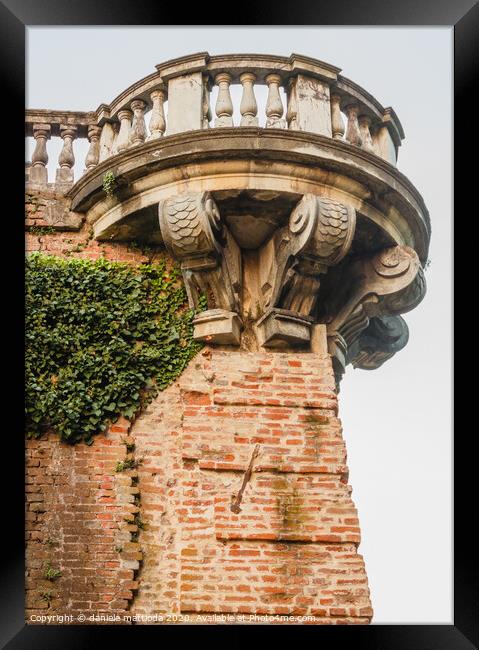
(55, 119)
(182, 65)
(303, 149)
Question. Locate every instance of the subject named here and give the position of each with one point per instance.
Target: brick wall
(162, 539)
(66, 234)
(292, 549)
(77, 522)
(80, 512)
(168, 528)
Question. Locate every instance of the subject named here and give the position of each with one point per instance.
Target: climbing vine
(109, 183)
(102, 338)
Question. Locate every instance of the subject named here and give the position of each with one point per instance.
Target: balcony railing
(303, 94)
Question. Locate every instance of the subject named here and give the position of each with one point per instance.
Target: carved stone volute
(210, 259)
(360, 303)
(388, 283)
(384, 336)
(190, 224)
(318, 235)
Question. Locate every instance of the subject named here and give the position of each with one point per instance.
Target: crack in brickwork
(236, 499)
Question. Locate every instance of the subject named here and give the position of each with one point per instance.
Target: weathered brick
(196, 440)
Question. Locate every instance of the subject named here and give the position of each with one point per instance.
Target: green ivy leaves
(109, 183)
(101, 339)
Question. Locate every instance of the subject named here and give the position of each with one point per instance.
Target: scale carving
(318, 235)
(193, 233)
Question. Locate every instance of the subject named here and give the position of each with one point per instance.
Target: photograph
(238, 328)
(216, 244)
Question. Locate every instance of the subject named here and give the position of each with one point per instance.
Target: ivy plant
(102, 338)
(109, 183)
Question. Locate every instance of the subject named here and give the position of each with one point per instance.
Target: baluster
(206, 108)
(364, 129)
(337, 122)
(248, 106)
(38, 170)
(93, 155)
(353, 135)
(224, 105)
(123, 136)
(138, 128)
(384, 146)
(106, 141)
(157, 119)
(66, 159)
(274, 105)
(292, 111)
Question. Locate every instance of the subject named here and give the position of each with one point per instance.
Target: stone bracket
(362, 300)
(384, 336)
(374, 289)
(281, 328)
(210, 259)
(319, 235)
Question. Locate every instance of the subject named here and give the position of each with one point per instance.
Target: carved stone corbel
(384, 336)
(210, 259)
(388, 283)
(318, 235)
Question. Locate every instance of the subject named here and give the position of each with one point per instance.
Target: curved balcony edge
(313, 163)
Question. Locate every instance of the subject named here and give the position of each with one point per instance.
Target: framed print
(238, 325)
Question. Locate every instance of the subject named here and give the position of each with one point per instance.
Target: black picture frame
(15, 16)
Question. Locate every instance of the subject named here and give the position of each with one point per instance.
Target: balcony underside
(256, 176)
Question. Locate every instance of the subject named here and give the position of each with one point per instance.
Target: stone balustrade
(273, 181)
(303, 94)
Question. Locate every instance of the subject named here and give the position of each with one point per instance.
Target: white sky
(397, 419)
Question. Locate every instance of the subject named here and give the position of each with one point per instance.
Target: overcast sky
(397, 419)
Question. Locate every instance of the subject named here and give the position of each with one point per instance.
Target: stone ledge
(145, 173)
(219, 325)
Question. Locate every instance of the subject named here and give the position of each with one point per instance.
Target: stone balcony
(284, 220)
